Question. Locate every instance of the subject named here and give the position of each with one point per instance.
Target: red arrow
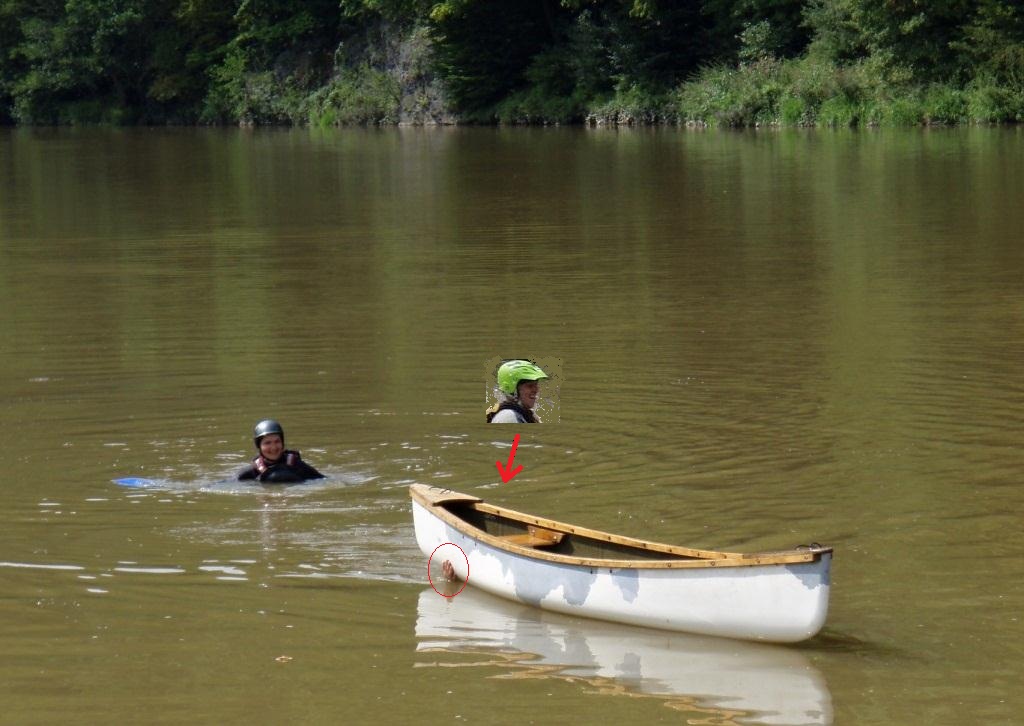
(509, 472)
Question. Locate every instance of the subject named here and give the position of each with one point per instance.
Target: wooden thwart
(534, 537)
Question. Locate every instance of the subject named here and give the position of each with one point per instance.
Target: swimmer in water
(276, 464)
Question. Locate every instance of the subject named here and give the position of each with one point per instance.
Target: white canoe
(771, 596)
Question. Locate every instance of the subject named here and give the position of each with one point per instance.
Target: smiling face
(271, 446)
(527, 392)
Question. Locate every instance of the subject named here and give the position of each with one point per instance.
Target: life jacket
(285, 464)
(524, 412)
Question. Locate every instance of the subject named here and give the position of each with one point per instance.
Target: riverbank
(399, 88)
(485, 62)
(767, 92)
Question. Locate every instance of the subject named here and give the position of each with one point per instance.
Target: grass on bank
(772, 92)
(809, 93)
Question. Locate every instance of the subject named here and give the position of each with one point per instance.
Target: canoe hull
(779, 603)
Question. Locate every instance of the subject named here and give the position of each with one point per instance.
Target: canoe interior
(561, 542)
(571, 543)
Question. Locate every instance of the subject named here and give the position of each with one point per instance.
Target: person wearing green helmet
(276, 464)
(518, 381)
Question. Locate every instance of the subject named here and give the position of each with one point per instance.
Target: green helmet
(512, 372)
(265, 428)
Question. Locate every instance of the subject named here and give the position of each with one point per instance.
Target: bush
(533, 106)
(747, 96)
(549, 95)
(944, 105)
(904, 111)
(226, 99)
(631, 104)
(988, 102)
(794, 111)
(841, 110)
(702, 99)
(812, 82)
(362, 95)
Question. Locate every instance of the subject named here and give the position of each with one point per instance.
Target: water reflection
(731, 682)
(768, 338)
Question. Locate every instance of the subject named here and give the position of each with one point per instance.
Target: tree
(484, 47)
(79, 60)
(993, 42)
(926, 39)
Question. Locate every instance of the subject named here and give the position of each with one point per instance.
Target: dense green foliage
(732, 62)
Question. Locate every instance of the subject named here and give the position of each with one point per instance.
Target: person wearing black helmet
(276, 464)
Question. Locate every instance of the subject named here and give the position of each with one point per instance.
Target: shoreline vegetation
(724, 63)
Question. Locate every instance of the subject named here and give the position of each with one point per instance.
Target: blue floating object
(134, 481)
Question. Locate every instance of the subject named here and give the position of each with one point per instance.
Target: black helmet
(266, 427)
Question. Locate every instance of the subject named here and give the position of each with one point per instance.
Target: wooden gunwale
(434, 500)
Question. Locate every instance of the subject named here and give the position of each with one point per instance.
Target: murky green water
(760, 339)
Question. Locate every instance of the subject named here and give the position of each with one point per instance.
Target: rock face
(401, 57)
(422, 100)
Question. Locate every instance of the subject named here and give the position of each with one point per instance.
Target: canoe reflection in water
(734, 682)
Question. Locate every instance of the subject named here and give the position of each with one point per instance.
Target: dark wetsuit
(288, 469)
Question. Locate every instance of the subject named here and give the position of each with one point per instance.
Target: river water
(756, 340)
